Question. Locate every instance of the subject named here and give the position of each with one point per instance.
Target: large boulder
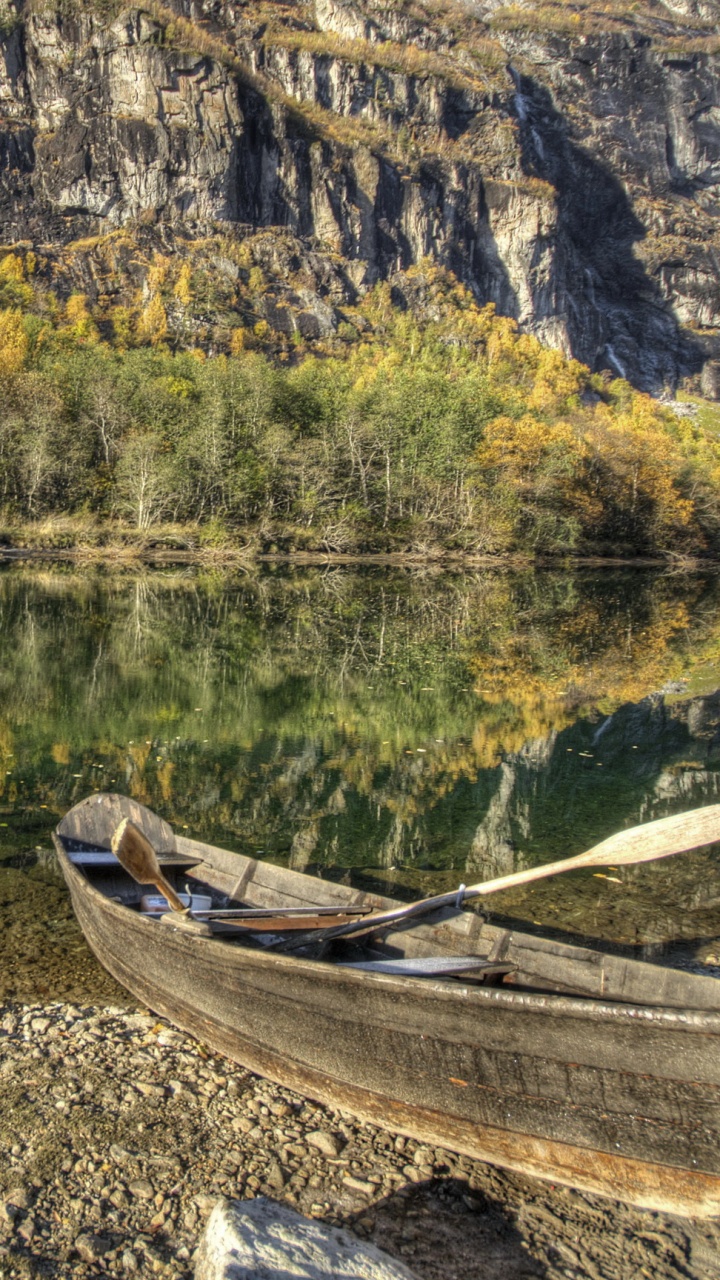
(261, 1240)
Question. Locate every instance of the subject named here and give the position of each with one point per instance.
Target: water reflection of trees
(347, 718)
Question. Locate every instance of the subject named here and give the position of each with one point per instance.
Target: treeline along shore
(451, 432)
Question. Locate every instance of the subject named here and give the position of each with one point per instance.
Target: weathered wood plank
(264, 884)
(95, 819)
(428, 966)
(275, 923)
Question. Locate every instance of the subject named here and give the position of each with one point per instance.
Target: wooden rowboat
(591, 1070)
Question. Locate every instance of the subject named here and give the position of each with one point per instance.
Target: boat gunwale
(688, 1020)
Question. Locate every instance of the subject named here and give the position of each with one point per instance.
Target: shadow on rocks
(445, 1229)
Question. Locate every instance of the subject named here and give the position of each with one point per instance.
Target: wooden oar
(651, 840)
(261, 913)
(135, 853)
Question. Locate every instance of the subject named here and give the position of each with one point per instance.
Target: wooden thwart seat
(106, 858)
(429, 966)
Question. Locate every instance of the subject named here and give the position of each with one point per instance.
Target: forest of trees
(456, 433)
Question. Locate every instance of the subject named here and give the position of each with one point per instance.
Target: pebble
(91, 1248)
(142, 1188)
(324, 1142)
(261, 1238)
(8, 1214)
(358, 1184)
(18, 1198)
(124, 1188)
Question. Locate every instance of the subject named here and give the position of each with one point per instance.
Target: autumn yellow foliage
(182, 290)
(152, 325)
(78, 319)
(13, 343)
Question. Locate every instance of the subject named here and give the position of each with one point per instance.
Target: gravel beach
(118, 1134)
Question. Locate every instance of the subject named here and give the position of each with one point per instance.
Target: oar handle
(166, 888)
(530, 873)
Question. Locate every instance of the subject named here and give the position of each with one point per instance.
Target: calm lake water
(399, 729)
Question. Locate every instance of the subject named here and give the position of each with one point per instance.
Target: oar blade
(660, 839)
(135, 853)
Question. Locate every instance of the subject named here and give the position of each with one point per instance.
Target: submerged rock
(245, 1239)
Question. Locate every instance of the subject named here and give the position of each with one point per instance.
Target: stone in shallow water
(245, 1239)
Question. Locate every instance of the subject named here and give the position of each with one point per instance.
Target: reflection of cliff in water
(509, 814)
(564, 793)
(648, 759)
(555, 796)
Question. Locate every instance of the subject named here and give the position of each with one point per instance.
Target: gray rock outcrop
(570, 178)
(254, 1239)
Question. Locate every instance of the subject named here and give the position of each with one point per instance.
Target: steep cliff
(563, 162)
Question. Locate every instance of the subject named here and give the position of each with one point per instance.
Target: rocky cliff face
(563, 166)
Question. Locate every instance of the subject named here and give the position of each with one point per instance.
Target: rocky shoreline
(118, 1134)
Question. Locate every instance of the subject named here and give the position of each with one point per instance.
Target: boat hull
(618, 1100)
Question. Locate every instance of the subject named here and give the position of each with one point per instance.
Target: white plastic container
(156, 904)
